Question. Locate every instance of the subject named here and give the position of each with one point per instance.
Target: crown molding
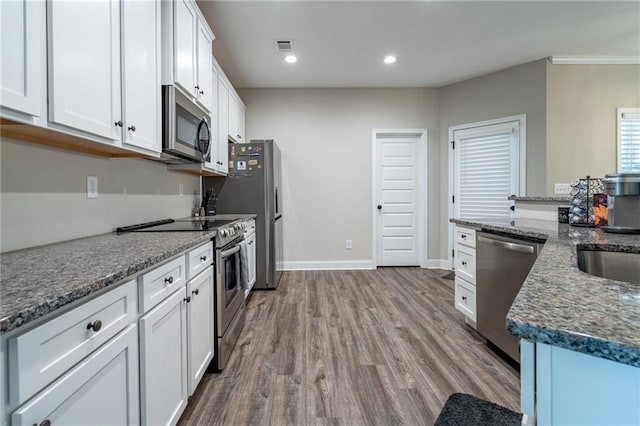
(594, 60)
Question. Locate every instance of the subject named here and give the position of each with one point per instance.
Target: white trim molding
(438, 264)
(595, 60)
(332, 265)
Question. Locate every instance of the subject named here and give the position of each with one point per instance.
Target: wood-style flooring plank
(379, 347)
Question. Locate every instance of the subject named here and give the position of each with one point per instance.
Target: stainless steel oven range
(229, 296)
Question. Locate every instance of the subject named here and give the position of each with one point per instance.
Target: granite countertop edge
(536, 318)
(551, 199)
(25, 314)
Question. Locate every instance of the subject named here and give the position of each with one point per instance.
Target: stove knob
(223, 232)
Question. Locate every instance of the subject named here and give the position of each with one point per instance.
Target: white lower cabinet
(200, 331)
(465, 266)
(163, 361)
(251, 257)
(101, 390)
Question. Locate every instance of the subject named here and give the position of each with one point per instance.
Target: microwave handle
(204, 152)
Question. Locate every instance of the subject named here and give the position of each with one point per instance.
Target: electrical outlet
(349, 245)
(92, 186)
(180, 190)
(561, 189)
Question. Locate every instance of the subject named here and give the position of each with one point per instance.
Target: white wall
(44, 199)
(581, 118)
(325, 139)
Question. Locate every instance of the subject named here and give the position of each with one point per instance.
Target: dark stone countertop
(37, 281)
(565, 307)
(552, 199)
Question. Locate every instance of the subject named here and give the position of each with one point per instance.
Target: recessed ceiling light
(290, 59)
(389, 59)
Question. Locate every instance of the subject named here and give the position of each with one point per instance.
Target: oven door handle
(229, 252)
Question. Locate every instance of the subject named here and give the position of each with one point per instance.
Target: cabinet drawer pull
(197, 87)
(96, 325)
(464, 297)
(169, 280)
(463, 236)
(118, 123)
(202, 92)
(132, 128)
(203, 258)
(464, 263)
(196, 291)
(187, 299)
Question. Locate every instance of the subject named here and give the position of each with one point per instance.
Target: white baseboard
(327, 265)
(437, 264)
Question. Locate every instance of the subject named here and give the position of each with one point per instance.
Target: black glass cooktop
(170, 225)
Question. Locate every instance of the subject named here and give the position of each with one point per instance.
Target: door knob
(379, 207)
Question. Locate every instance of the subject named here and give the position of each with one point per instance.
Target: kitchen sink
(613, 265)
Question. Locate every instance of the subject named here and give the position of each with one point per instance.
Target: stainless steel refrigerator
(254, 186)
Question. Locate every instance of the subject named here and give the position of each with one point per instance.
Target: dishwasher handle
(508, 246)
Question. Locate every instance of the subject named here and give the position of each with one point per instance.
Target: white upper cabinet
(236, 118)
(84, 66)
(223, 126)
(141, 89)
(233, 117)
(192, 53)
(185, 21)
(22, 35)
(204, 91)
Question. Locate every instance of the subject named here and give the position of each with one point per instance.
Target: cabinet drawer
(465, 236)
(465, 263)
(103, 389)
(158, 284)
(465, 296)
(199, 259)
(41, 355)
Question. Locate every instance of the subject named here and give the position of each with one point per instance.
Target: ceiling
(343, 43)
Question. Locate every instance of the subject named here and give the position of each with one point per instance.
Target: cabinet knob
(464, 237)
(45, 423)
(196, 291)
(379, 207)
(239, 137)
(132, 128)
(202, 92)
(169, 280)
(464, 263)
(464, 297)
(197, 87)
(96, 326)
(203, 258)
(187, 299)
(118, 123)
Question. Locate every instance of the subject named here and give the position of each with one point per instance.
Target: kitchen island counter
(565, 307)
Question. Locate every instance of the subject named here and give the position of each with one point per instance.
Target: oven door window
(231, 276)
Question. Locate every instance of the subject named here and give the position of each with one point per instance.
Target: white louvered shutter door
(629, 140)
(486, 171)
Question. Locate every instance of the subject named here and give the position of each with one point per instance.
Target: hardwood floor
(372, 347)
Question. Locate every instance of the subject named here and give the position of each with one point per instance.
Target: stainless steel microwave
(186, 129)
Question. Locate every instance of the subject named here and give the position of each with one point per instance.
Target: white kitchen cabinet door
(241, 123)
(101, 390)
(200, 321)
(22, 27)
(84, 66)
(163, 361)
(141, 71)
(205, 92)
(233, 116)
(251, 257)
(212, 163)
(185, 18)
(223, 126)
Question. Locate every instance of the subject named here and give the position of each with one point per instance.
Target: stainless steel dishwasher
(502, 265)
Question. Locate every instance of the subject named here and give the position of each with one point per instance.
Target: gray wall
(325, 138)
(581, 118)
(44, 199)
(517, 90)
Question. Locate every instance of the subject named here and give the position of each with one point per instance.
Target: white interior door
(397, 201)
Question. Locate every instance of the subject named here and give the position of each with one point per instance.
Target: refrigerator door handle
(277, 207)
